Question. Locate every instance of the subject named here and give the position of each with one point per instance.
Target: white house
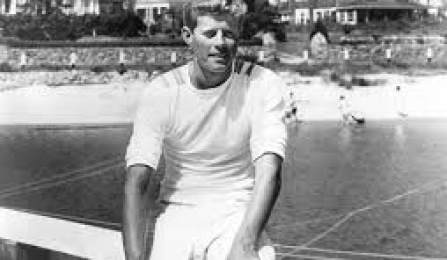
(149, 9)
(435, 7)
(322, 10)
(80, 7)
(358, 11)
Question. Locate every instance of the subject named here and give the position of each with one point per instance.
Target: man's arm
(266, 191)
(136, 209)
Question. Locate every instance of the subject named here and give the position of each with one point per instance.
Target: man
(218, 121)
(349, 116)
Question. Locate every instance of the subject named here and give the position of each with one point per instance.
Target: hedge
(15, 43)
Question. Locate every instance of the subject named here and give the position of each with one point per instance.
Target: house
(363, 11)
(149, 10)
(79, 7)
(434, 6)
(300, 11)
(357, 11)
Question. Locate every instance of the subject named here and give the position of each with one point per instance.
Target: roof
(378, 4)
(316, 4)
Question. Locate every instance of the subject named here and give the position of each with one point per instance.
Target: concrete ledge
(63, 236)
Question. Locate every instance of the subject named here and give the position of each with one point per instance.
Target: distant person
(219, 123)
(399, 103)
(291, 114)
(344, 109)
(349, 116)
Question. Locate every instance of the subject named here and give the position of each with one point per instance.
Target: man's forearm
(136, 211)
(266, 191)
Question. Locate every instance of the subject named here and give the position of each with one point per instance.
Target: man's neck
(204, 79)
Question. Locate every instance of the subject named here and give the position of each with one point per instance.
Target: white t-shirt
(209, 138)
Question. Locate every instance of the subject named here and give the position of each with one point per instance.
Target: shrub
(58, 26)
(5, 67)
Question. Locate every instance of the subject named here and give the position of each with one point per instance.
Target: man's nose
(219, 39)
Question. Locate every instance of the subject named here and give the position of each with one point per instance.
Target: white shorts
(184, 232)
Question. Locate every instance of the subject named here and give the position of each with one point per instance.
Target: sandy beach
(317, 99)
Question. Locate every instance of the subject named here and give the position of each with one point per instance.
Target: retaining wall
(405, 54)
(99, 56)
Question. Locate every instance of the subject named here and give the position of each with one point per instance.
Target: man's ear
(187, 35)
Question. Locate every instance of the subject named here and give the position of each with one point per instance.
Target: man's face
(214, 41)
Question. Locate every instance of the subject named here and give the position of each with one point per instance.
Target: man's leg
(219, 248)
(173, 235)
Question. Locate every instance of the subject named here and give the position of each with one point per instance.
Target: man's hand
(267, 186)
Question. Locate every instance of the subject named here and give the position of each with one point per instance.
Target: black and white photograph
(223, 129)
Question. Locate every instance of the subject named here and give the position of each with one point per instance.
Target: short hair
(195, 8)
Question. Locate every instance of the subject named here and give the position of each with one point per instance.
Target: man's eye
(210, 34)
(229, 35)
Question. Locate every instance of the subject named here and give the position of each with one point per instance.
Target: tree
(130, 5)
(311, 5)
(264, 18)
(32, 7)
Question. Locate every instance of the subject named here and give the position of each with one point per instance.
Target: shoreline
(422, 97)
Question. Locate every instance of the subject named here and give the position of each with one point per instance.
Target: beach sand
(317, 99)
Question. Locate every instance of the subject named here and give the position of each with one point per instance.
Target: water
(333, 175)
(332, 171)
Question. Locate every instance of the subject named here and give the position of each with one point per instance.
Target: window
(319, 15)
(351, 16)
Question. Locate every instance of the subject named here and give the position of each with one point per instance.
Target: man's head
(211, 29)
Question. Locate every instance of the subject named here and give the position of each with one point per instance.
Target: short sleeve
(269, 132)
(150, 125)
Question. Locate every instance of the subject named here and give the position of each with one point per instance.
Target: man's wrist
(247, 240)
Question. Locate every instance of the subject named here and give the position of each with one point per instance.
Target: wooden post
(23, 60)
(388, 54)
(429, 55)
(122, 62)
(306, 55)
(260, 56)
(73, 60)
(346, 54)
(173, 58)
(122, 57)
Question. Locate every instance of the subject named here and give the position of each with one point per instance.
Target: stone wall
(101, 56)
(93, 56)
(405, 54)
(3, 53)
(413, 55)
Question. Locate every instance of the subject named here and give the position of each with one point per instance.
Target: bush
(58, 26)
(91, 42)
(94, 44)
(263, 19)
(5, 67)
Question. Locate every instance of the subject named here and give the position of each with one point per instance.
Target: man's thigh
(220, 248)
(174, 234)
